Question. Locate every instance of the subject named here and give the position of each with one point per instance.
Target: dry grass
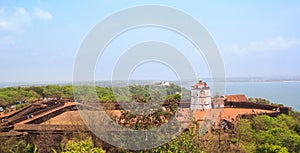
(66, 118)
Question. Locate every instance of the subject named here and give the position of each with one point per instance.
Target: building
(217, 102)
(200, 96)
(233, 100)
(236, 98)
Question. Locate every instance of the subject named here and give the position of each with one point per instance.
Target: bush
(267, 148)
(84, 146)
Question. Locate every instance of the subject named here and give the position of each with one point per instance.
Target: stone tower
(200, 96)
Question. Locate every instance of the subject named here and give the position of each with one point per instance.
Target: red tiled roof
(236, 98)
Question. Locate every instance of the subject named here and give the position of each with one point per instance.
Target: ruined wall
(254, 105)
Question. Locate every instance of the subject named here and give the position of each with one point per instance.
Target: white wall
(197, 99)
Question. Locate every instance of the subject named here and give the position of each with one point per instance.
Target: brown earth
(66, 118)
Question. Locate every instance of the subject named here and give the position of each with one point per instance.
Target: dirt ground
(66, 118)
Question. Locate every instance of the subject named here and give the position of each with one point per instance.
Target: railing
(24, 113)
(22, 118)
(47, 109)
(49, 115)
(38, 127)
(16, 112)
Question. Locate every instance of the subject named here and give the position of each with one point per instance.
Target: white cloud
(265, 46)
(42, 14)
(14, 22)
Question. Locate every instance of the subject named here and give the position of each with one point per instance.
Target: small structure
(217, 102)
(200, 96)
(162, 83)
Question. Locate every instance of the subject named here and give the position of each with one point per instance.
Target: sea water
(284, 92)
(280, 92)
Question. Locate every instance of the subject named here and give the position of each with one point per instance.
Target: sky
(39, 40)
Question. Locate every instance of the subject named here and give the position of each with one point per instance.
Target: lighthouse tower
(200, 96)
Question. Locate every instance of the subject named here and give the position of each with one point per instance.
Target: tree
(273, 134)
(267, 148)
(188, 141)
(245, 135)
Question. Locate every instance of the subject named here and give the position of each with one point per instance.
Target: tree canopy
(266, 134)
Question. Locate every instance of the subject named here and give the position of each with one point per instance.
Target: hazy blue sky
(39, 39)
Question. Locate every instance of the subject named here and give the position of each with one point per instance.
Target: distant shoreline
(228, 80)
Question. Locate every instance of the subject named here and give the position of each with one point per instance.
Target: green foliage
(186, 142)
(31, 148)
(259, 100)
(8, 96)
(267, 134)
(173, 98)
(244, 131)
(263, 101)
(245, 136)
(84, 146)
(12, 145)
(296, 128)
(105, 94)
(138, 93)
(263, 122)
(267, 148)
(19, 106)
